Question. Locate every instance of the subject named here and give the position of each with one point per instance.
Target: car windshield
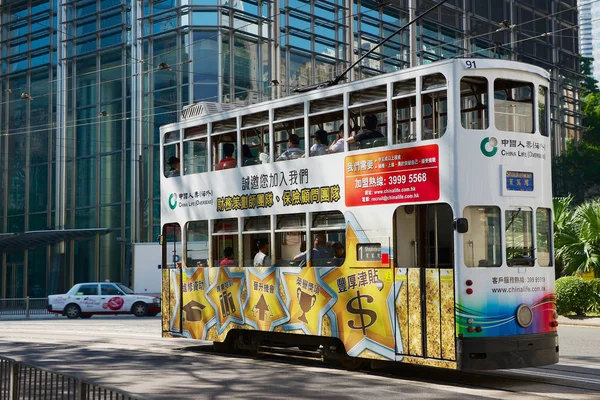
(125, 288)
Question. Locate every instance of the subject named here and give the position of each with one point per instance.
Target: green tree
(577, 172)
(577, 236)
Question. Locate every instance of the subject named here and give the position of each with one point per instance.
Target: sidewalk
(579, 321)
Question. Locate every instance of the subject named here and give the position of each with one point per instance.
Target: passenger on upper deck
(174, 170)
(293, 149)
(247, 157)
(321, 143)
(338, 144)
(228, 161)
(228, 261)
(368, 133)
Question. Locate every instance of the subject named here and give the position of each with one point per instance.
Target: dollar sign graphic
(361, 312)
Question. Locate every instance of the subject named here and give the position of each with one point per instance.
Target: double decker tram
(405, 217)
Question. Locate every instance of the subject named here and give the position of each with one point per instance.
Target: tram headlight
(524, 315)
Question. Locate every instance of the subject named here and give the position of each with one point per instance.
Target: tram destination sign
(393, 176)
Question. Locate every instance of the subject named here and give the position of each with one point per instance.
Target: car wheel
(139, 310)
(72, 311)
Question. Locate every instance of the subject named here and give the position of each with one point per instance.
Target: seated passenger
(339, 253)
(293, 149)
(300, 258)
(228, 261)
(321, 143)
(320, 251)
(369, 132)
(338, 144)
(174, 170)
(247, 156)
(228, 161)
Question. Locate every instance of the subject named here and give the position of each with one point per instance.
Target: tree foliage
(577, 172)
(577, 236)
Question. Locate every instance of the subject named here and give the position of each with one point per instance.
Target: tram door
(423, 266)
(172, 251)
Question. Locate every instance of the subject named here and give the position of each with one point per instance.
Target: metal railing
(25, 306)
(20, 381)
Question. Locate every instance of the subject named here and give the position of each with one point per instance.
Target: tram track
(540, 382)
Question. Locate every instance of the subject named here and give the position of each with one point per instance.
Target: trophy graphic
(306, 301)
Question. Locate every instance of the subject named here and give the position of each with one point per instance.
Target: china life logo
(173, 201)
(489, 146)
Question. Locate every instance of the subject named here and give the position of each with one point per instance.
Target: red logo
(115, 303)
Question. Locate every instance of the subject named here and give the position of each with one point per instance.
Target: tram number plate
(470, 64)
(368, 252)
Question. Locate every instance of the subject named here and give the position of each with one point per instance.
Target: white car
(87, 299)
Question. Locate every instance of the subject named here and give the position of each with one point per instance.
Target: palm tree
(577, 236)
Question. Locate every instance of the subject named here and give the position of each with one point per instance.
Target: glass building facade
(86, 84)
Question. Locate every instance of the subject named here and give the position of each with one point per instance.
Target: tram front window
(482, 243)
(519, 237)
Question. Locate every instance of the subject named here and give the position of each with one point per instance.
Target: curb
(589, 321)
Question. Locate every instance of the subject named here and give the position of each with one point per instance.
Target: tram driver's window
(543, 237)
(434, 99)
(519, 237)
(513, 106)
(482, 244)
(474, 102)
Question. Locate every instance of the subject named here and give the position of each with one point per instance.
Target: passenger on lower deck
(228, 261)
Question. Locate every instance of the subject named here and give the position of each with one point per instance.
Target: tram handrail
(19, 380)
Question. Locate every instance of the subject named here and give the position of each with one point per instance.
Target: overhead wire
(147, 116)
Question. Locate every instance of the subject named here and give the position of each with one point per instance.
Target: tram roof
(483, 64)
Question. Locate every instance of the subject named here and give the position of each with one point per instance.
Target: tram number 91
(407, 178)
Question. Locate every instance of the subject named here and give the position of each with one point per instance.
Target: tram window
(289, 139)
(328, 123)
(482, 243)
(260, 118)
(519, 237)
(171, 163)
(543, 237)
(369, 95)
(196, 244)
(255, 229)
(434, 106)
(172, 246)
(290, 240)
(543, 110)
(513, 106)
(196, 156)
(255, 145)
(369, 136)
(328, 228)
(406, 119)
(224, 155)
(474, 102)
(326, 104)
(172, 137)
(225, 243)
